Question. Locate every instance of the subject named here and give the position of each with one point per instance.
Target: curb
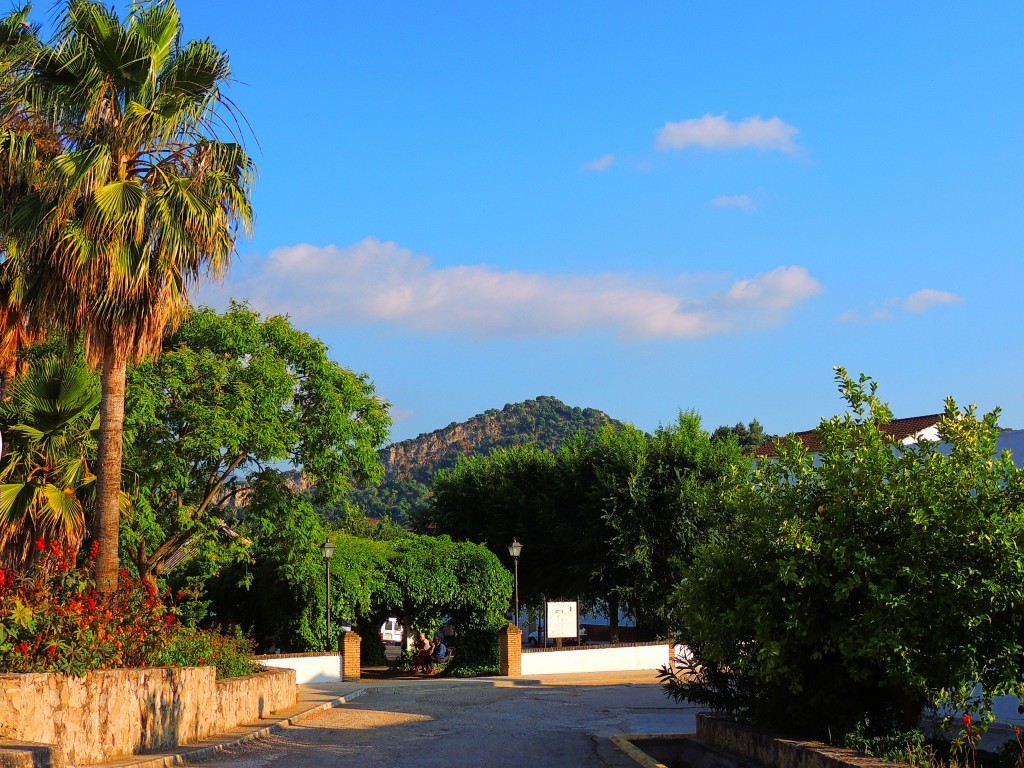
(624, 743)
(186, 755)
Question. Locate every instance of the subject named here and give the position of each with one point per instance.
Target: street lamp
(327, 550)
(514, 549)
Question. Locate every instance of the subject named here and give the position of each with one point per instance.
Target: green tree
(510, 493)
(662, 499)
(866, 582)
(749, 436)
(49, 426)
(140, 198)
(611, 518)
(234, 395)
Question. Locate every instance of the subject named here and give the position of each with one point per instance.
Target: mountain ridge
(411, 464)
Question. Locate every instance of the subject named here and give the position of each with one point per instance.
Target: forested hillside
(410, 465)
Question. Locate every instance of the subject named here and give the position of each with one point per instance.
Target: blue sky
(638, 207)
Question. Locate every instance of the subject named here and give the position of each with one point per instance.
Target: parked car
(391, 632)
(534, 638)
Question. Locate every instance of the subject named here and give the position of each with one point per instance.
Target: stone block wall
(773, 752)
(115, 713)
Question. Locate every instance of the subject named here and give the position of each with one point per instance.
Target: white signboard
(561, 619)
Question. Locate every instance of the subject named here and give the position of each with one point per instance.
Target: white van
(391, 632)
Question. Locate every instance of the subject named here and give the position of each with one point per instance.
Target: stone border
(309, 654)
(746, 746)
(774, 752)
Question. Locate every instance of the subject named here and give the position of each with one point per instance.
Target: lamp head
(327, 550)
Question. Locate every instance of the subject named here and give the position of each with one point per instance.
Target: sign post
(561, 620)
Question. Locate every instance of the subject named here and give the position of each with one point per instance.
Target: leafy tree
(610, 518)
(235, 395)
(749, 436)
(420, 579)
(868, 583)
(49, 425)
(108, 226)
(491, 499)
(662, 499)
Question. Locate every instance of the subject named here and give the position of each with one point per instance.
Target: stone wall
(773, 752)
(114, 713)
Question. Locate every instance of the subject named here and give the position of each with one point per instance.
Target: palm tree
(142, 199)
(50, 422)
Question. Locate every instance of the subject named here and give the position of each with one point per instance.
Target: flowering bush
(191, 647)
(52, 619)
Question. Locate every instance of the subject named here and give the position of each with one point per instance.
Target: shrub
(52, 619)
(230, 653)
(870, 581)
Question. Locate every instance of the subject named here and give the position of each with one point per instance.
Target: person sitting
(440, 654)
(421, 659)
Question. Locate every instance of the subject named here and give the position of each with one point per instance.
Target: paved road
(471, 723)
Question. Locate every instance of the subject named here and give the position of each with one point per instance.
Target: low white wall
(596, 658)
(309, 668)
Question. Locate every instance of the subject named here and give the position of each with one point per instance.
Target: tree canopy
(864, 583)
(234, 396)
(610, 518)
(119, 194)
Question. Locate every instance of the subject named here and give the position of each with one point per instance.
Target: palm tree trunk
(107, 518)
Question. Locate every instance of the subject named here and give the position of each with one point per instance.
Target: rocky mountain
(410, 465)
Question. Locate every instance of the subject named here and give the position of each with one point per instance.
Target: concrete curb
(204, 750)
(624, 743)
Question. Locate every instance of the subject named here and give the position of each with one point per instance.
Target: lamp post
(514, 549)
(327, 550)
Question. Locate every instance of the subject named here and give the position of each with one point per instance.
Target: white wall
(595, 659)
(308, 669)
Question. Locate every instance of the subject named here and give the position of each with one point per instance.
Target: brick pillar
(350, 659)
(510, 650)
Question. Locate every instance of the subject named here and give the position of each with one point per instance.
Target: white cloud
(779, 289)
(716, 132)
(927, 298)
(743, 202)
(917, 302)
(600, 164)
(381, 282)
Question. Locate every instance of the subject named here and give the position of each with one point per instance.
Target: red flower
(41, 544)
(94, 551)
(56, 548)
(967, 720)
